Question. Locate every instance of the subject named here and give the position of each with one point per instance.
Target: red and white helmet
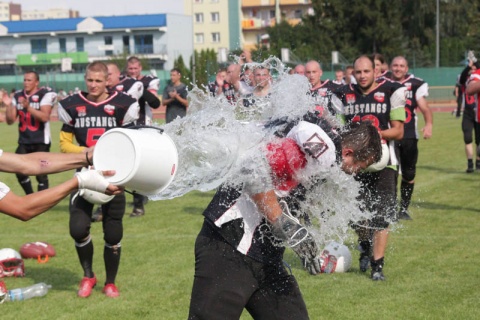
(11, 263)
(335, 258)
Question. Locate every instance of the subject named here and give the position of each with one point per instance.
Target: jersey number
(368, 117)
(27, 121)
(93, 135)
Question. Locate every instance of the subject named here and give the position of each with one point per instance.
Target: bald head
(399, 68)
(113, 74)
(314, 72)
(299, 69)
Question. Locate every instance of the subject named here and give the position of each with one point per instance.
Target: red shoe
(111, 290)
(86, 287)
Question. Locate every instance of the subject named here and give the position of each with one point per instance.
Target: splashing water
(216, 142)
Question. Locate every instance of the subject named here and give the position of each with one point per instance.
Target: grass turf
(431, 262)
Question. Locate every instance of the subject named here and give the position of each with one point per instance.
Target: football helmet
(335, 258)
(11, 263)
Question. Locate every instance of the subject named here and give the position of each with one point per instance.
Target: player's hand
(95, 180)
(427, 132)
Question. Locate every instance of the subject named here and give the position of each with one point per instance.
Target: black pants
(226, 282)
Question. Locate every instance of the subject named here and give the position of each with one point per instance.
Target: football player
(32, 106)
(86, 116)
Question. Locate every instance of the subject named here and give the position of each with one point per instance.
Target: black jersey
(130, 86)
(31, 130)
(383, 104)
(150, 83)
(322, 96)
(416, 89)
(229, 92)
(89, 120)
(235, 217)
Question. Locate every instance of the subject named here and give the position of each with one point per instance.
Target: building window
(143, 43)
(198, 17)
(126, 44)
(62, 43)
(198, 37)
(216, 37)
(298, 14)
(215, 17)
(80, 45)
(39, 45)
(108, 45)
(198, 1)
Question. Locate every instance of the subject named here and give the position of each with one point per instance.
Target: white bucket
(145, 160)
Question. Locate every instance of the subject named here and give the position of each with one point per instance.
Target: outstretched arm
(29, 206)
(37, 163)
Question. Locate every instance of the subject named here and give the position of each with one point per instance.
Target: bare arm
(395, 132)
(42, 114)
(29, 206)
(268, 205)
(473, 87)
(427, 116)
(11, 111)
(37, 163)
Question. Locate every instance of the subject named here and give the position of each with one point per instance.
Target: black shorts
(226, 282)
(468, 125)
(379, 196)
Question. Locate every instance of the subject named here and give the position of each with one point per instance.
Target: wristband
(88, 160)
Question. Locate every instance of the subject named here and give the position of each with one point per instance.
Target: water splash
(222, 143)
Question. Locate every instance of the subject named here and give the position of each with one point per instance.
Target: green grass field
(432, 263)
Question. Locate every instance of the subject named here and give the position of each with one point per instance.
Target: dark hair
(176, 70)
(363, 138)
(133, 59)
(37, 76)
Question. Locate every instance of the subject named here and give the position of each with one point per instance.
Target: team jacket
(416, 89)
(88, 120)
(31, 130)
(322, 96)
(235, 217)
(385, 103)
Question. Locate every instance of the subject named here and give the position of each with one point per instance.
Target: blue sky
(107, 7)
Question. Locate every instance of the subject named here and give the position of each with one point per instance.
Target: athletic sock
(406, 191)
(26, 186)
(111, 256)
(85, 255)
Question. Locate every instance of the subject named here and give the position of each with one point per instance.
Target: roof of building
(71, 24)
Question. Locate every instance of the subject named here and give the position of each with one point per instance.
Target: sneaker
(403, 215)
(377, 276)
(86, 287)
(111, 290)
(137, 213)
(97, 216)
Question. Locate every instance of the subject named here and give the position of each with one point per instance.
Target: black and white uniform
(407, 147)
(238, 264)
(323, 95)
(150, 83)
(88, 120)
(34, 135)
(382, 105)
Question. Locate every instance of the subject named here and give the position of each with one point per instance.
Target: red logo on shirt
(119, 87)
(35, 98)
(350, 97)
(109, 109)
(82, 111)
(379, 96)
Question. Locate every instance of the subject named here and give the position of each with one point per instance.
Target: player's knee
(408, 175)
